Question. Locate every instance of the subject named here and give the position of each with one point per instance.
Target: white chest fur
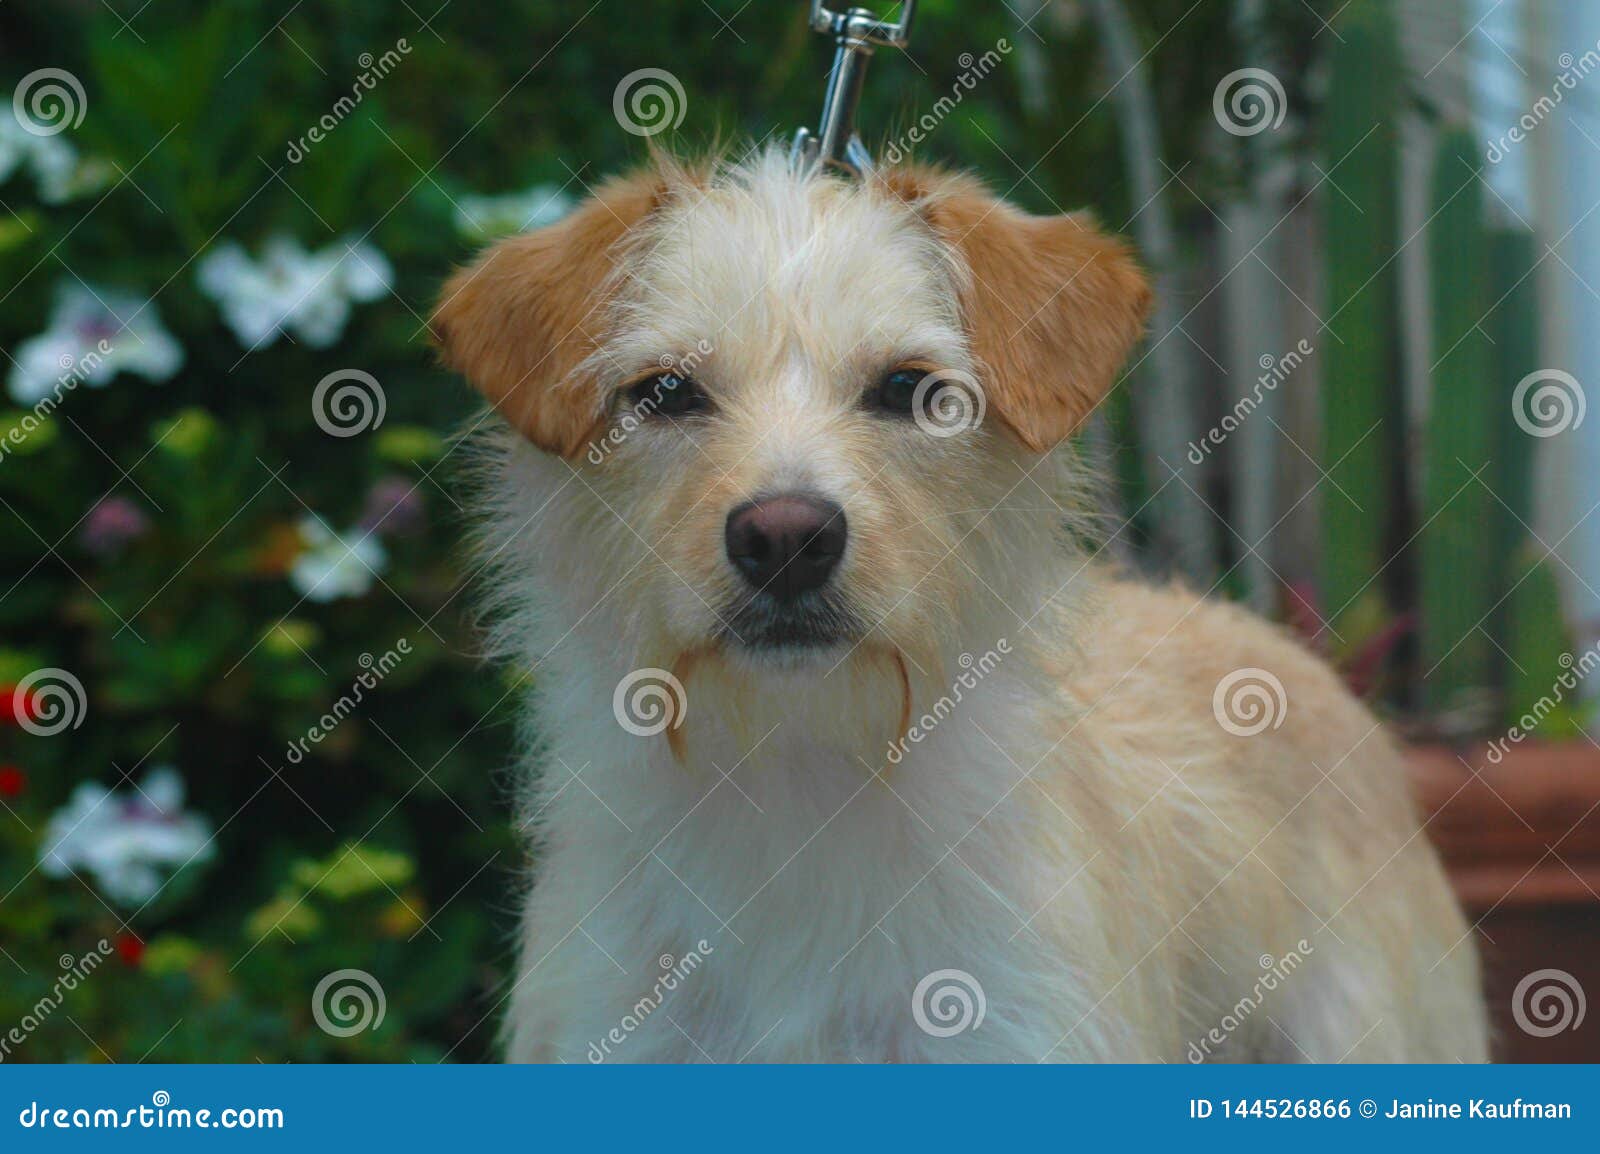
(795, 901)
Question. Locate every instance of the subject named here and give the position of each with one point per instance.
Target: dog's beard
(789, 632)
(719, 669)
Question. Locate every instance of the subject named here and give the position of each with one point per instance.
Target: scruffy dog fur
(973, 797)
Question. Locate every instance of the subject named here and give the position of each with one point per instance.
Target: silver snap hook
(856, 33)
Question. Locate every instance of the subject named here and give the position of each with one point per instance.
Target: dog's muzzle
(786, 547)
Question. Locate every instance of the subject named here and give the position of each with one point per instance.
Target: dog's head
(789, 407)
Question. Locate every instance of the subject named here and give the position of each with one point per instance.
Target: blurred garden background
(232, 588)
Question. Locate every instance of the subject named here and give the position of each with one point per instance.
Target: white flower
(335, 565)
(129, 841)
(486, 217)
(59, 173)
(94, 334)
(291, 289)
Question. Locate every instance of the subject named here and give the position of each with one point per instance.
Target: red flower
(11, 704)
(130, 948)
(12, 781)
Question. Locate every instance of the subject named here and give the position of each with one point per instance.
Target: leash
(856, 33)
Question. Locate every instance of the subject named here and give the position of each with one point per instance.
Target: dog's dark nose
(785, 545)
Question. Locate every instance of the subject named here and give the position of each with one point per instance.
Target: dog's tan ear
(1053, 306)
(520, 321)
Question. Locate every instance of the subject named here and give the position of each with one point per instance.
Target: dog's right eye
(669, 393)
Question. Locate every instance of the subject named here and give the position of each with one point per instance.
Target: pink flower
(111, 525)
(394, 506)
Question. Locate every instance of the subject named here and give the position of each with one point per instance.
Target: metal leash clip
(856, 33)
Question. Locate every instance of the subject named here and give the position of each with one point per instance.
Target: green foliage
(1362, 423)
(1541, 655)
(1466, 427)
(193, 648)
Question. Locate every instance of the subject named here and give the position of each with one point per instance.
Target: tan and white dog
(845, 751)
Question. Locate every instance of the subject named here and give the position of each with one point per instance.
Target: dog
(845, 747)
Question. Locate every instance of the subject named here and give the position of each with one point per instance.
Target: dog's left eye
(669, 393)
(897, 392)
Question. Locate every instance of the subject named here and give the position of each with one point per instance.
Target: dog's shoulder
(1164, 652)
